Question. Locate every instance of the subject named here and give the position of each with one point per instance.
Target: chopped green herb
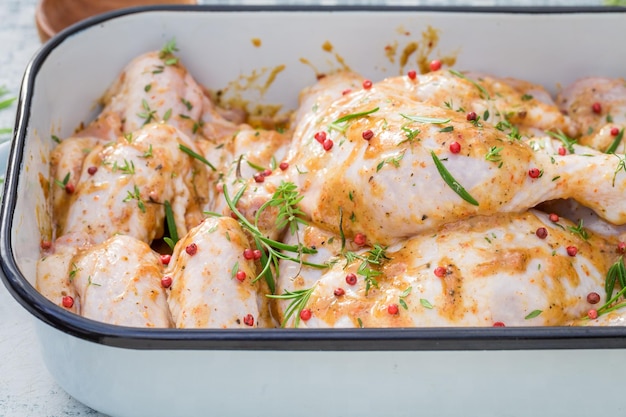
(533, 314)
(424, 119)
(483, 92)
(395, 160)
(452, 183)
(196, 156)
(568, 142)
(136, 195)
(299, 299)
(341, 123)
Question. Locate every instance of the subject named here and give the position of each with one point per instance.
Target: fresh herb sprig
(341, 124)
(299, 300)
(171, 226)
(568, 142)
(369, 262)
(493, 154)
(452, 182)
(425, 119)
(616, 142)
(615, 274)
(197, 156)
(484, 94)
(579, 230)
(272, 251)
(286, 199)
(166, 54)
(135, 195)
(621, 166)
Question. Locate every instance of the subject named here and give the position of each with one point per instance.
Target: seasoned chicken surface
(213, 284)
(390, 186)
(598, 107)
(442, 199)
(119, 282)
(477, 272)
(125, 186)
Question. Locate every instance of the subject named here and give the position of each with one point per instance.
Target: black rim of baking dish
(452, 338)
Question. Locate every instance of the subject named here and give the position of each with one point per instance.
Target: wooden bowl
(52, 16)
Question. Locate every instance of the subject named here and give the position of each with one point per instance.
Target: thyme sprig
(135, 195)
(493, 154)
(299, 299)
(272, 251)
(451, 181)
(579, 230)
(367, 268)
(148, 115)
(286, 198)
(621, 166)
(568, 142)
(166, 54)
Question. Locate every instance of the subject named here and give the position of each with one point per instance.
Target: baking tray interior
(225, 46)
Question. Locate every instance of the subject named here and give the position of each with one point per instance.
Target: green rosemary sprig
(341, 124)
(272, 251)
(452, 183)
(299, 299)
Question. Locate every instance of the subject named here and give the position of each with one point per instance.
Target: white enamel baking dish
(369, 372)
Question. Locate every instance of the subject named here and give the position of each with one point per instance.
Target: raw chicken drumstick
(124, 187)
(383, 156)
(507, 269)
(157, 87)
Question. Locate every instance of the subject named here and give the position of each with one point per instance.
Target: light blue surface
(26, 388)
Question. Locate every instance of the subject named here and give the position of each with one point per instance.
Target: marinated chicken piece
(598, 107)
(119, 282)
(157, 87)
(54, 270)
(213, 282)
(124, 187)
(497, 101)
(585, 217)
(389, 186)
(66, 165)
(515, 270)
(253, 161)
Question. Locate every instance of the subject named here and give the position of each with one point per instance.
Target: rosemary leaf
(452, 183)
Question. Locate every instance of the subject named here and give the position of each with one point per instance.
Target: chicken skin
(119, 282)
(124, 187)
(213, 284)
(392, 186)
(598, 107)
(477, 272)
